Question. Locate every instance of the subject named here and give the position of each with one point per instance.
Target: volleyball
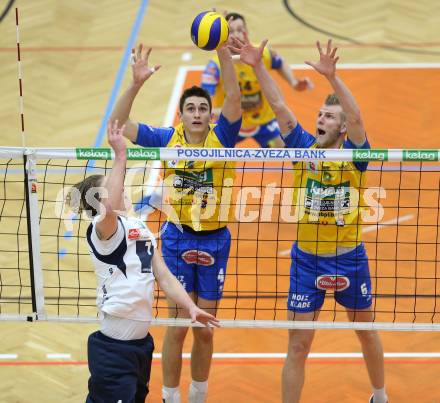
(209, 30)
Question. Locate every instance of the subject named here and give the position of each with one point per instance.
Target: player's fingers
(237, 42)
(329, 46)
(234, 49)
(246, 36)
(263, 43)
(336, 60)
(214, 321)
(333, 53)
(147, 55)
(139, 52)
(318, 45)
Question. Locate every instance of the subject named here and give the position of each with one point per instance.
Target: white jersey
(123, 267)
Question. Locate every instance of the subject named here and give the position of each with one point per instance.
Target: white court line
(263, 355)
(370, 228)
(396, 220)
(175, 96)
(8, 356)
(311, 355)
(52, 356)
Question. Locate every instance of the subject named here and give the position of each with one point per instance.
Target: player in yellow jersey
(328, 254)
(258, 119)
(195, 240)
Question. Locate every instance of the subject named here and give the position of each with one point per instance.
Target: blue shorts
(347, 275)
(262, 134)
(119, 369)
(197, 260)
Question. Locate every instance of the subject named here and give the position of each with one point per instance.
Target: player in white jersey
(126, 263)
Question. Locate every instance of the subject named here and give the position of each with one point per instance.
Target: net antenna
(20, 80)
(30, 188)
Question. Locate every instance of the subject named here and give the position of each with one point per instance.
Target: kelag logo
(93, 154)
(370, 155)
(143, 154)
(420, 155)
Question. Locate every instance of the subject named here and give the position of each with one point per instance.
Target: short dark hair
(76, 198)
(333, 99)
(195, 91)
(235, 16)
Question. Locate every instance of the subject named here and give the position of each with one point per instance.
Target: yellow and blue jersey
(196, 189)
(328, 198)
(256, 109)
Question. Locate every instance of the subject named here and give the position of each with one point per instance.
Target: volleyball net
(46, 272)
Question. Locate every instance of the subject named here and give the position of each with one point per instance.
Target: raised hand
(249, 54)
(327, 61)
(139, 64)
(201, 316)
(116, 139)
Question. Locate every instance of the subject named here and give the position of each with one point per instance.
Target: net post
(33, 231)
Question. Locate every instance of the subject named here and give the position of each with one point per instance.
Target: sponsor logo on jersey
(336, 283)
(134, 233)
(200, 257)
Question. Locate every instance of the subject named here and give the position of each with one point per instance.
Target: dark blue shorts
(119, 369)
(346, 275)
(263, 134)
(197, 260)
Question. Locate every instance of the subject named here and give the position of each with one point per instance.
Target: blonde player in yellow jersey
(328, 254)
(258, 118)
(195, 240)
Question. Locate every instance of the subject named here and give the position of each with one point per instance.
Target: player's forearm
(175, 291)
(122, 109)
(346, 98)
(114, 184)
(286, 119)
(268, 85)
(230, 82)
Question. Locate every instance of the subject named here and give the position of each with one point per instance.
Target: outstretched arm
(174, 290)
(141, 73)
(253, 56)
(113, 183)
(232, 104)
(327, 67)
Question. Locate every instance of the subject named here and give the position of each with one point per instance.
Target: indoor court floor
(75, 61)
